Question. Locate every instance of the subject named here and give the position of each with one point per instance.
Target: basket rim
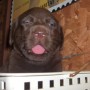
(40, 74)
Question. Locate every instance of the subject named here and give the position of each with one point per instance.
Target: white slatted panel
(45, 81)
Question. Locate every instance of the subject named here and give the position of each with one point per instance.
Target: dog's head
(37, 35)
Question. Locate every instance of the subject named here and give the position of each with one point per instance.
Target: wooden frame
(5, 16)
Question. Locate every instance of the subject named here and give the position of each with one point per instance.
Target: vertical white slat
(2, 85)
(14, 83)
(33, 85)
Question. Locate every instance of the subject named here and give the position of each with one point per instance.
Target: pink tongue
(38, 49)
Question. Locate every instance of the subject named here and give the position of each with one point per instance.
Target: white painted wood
(16, 81)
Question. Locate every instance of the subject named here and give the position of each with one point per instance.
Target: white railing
(64, 3)
(45, 81)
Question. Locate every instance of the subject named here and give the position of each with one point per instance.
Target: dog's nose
(39, 34)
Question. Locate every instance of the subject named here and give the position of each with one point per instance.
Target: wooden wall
(75, 21)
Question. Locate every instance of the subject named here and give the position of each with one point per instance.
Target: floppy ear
(11, 34)
(61, 37)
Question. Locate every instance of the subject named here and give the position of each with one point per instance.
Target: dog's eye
(51, 23)
(28, 20)
(25, 22)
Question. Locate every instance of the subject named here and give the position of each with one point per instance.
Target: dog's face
(37, 35)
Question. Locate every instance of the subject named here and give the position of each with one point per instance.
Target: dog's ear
(61, 36)
(12, 30)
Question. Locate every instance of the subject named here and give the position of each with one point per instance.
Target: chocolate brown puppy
(37, 39)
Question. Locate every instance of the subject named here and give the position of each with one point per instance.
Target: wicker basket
(45, 81)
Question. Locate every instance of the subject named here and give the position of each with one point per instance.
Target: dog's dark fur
(25, 35)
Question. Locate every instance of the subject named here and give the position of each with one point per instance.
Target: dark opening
(40, 84)
(27, 86)
(86, 80)
(61, 82)
(70, 82)
(78, 80)
(51, 83)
